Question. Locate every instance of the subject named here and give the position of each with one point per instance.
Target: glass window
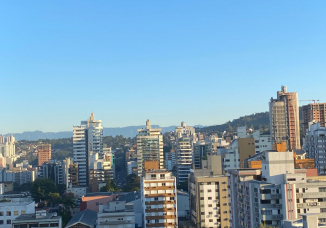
(1, 213)
(1, 221)
(9, 221)
(15, 212)
(8, 213)
(23, 212)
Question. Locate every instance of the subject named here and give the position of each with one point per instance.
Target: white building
(274, 193)
(149, 146)
(130, 166)
(314, 144)
(86, 138)
(159, 199)
(7, 146)
(116, 214)
(38, 219)
(11, 210)
(184, 158)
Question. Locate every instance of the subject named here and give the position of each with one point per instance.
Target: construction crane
(310, 100)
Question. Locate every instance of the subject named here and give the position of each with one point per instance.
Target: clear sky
(202, 62)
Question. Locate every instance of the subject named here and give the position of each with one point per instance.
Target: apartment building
(170, 160)
(159, 198)
(11, 210)
(184, 158)
(313, 112)
(58, 171)
(274, 193)
(116, 214)
(87, 138)
(240, 150)
(201, 149)
(44, 153)
(284, 119)
(149, 146)
(7, 146)
(99, 171)
(208, 195)
(315, 143)
(38, 219)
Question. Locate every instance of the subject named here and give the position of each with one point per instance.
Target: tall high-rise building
(44, 153)
(7, 146)
(87, 138)
(158, 197)
(184, 151)
(208, 195)
(149, 146)
(284, 119)
(314, 112)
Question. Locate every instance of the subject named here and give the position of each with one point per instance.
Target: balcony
(166, 209)
(160, 224)
(160, 195)
(160, 202)
(160, 217)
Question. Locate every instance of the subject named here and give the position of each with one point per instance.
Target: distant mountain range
(130, 131)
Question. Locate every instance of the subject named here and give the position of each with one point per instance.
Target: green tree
(54, 199)
(41, 188)
(133, 183)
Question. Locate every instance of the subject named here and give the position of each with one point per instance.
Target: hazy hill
(125, 131)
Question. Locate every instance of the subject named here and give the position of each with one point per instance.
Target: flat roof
(19, 203)
(33, 216)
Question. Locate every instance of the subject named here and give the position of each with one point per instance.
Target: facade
(313, 112)
(11, 210)
(19, 175)
(99, 171)
(314, 144)
(56, 170)
(92, 202)
(184, 158)
(309, 220)
(116, 214)
(7, 146)
(149, 146)
(284, 119)
(274, 193)
(208, 195)
(201, 149)
(38, 219)
(159, 199)
(131, 167)
(170, 160)
(87, 138)
(44, 153)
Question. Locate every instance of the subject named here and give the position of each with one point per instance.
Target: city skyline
(221, 60)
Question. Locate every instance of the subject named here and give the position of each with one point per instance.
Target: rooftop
(37, 216)
(86, 217)
(18, 203)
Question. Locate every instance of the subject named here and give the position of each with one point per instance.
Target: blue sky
(202, 62)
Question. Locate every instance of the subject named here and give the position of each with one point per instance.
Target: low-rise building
(10, 210)
(84, 219)
(116, 214)
(38, 219)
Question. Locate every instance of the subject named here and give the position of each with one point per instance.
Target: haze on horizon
(127, 61)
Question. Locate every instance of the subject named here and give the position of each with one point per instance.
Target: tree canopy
(41, 189)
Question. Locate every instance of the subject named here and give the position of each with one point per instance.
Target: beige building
(208, 194)
(159, 199)
(44, 153)
(313, 112)
(284, 119)
(149, 146)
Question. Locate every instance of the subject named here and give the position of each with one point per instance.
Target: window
(8, 213)
(209, 190)
(171, 198)
(9, 221)
(157, 221)
(209, 205)
(209, 198)
(23, 212)
(163, 184)
(1, 221)
(201, 198)
(211, 220)
(162, 176)
(1, 213)
(202, 213)
(15, 212)
(156, 198)
(44, 225)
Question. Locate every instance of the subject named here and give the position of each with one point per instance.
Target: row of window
(8, 213)
(8, 222)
